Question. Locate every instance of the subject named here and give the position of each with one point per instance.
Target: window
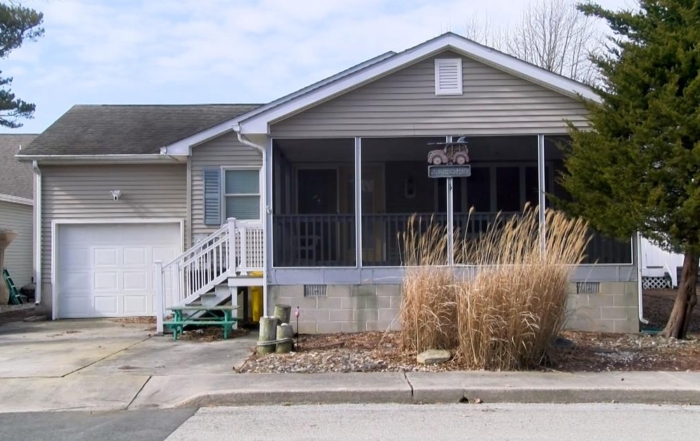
(242, 194)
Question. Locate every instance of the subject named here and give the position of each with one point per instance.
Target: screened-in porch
(319, 222)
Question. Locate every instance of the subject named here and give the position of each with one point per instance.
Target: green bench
(178, 323)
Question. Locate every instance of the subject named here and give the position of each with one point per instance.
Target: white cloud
(217, 50)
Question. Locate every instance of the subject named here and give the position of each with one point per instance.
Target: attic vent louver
(448, 76)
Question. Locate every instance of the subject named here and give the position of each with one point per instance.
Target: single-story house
(17, 207)
(144, 207)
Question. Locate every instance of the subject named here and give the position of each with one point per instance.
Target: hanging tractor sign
(449, 161)
(454, 152)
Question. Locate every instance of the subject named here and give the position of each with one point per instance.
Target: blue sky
(218, 51)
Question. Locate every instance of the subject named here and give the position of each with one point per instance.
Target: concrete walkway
(101, 365)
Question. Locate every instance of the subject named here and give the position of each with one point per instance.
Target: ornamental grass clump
(502, 307)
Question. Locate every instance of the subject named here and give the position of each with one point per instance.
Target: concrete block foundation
(358, 308)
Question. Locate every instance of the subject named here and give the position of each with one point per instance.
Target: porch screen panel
(479, 190)
(316, 225)
(508, 189)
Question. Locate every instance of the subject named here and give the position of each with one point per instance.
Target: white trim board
(54, 239)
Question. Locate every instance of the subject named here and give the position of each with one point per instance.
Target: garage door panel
(164, 254)
(106, 281)
(77, 306)
(136, 305)
(107, 305)
(105, 257)
(75, 282)
(106, 270)
(79, 255)
(135, 281)
(135, 256)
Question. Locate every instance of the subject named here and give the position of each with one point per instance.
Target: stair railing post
(175, 276)
(244, 251)
(160, 297)
(231, 246)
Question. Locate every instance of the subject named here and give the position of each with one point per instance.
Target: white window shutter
(448, 76)
(212, 196)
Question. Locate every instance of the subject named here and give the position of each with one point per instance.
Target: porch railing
(235, 249)
(302, 240)
(329, 239)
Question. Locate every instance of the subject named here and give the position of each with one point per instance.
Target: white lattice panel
(656, 283)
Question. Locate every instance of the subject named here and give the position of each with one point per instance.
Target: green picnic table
(209, 317)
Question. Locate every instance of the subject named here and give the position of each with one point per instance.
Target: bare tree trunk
(686, 299)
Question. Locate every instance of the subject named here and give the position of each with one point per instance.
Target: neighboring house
(660, 268)
(17, 207)
(320, 183)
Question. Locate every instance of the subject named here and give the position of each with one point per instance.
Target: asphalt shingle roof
(129, 129)
(15, 177)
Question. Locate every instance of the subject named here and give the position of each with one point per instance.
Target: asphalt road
(444, 422)
(363, 422)
(142, 425)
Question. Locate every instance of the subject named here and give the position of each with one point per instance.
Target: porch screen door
(373, 241)
(317, 196)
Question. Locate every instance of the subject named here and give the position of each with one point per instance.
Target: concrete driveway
(99, 364)
(99, 347)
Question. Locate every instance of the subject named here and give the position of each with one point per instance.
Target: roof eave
(15, 199)
(84, 159)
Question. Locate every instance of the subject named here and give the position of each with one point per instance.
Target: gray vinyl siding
(18, 256)
(224, 151)
(404, 104)
(82, 192)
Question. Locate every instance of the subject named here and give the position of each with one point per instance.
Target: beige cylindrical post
(268, 327)
(6, 238)
(285, 332)
(283, 313)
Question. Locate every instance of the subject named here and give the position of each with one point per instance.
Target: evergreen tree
(17, 24)
(638, 169)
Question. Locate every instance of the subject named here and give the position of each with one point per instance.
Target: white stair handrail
(236, 248)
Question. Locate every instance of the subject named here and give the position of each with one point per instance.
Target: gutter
(157, 157)
(37, 233)
(243, 140)
(640, 291)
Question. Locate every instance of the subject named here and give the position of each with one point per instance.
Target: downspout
(640, 291)
(243, 140)
(37, 233)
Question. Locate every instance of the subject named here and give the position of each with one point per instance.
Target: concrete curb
(419, 388)
(255, 389)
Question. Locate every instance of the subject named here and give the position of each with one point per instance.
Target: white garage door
(106, 270)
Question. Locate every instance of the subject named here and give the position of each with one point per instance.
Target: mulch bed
(593, 352)
(658, 305)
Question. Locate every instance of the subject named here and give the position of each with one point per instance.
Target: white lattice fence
(656, 283)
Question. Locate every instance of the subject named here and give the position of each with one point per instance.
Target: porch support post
(160, 295)
(541, 186)
(358, 202)
(450, 218)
